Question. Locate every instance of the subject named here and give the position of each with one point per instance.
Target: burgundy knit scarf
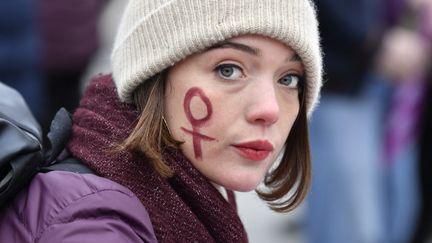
(184, 208)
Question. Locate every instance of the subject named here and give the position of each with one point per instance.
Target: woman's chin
(239, 184)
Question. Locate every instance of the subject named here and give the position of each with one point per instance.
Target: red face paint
(197, 137)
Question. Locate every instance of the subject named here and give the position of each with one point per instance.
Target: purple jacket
(69, 207)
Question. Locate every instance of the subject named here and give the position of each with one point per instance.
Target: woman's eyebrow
(249, 50)
(294, 58)
(237, 46)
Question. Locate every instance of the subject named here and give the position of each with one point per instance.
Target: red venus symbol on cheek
(197, 137)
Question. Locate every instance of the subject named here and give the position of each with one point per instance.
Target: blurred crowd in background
(371, 135)
(45, 47)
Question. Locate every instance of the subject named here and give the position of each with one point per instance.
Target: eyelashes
(291, 80)
(229, 71)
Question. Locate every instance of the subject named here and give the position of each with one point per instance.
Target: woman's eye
(229, 71)
(290, 80)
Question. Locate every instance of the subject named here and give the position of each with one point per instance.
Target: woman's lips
(254, 150)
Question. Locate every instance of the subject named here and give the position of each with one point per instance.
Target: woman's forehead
(256, 45)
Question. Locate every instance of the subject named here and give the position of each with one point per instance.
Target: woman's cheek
(199, 111)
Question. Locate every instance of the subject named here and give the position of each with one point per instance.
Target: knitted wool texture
(155, 34)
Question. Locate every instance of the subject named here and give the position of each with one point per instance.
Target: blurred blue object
(20, 52)
(346, 202)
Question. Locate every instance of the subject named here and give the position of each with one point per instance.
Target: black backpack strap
(56, 156)
(70, 164)
(58, 136)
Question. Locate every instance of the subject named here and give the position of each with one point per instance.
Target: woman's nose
(263, 107)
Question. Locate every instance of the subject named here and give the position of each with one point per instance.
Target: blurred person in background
(20, 52)
(346, 199)
(405, 61)
(364, 176)
(69, 40)
(45, 47)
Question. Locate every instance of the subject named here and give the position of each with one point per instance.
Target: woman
(203, 98)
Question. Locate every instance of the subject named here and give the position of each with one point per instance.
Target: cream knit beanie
(155, 34)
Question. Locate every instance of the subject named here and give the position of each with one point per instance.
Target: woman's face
(233, 106)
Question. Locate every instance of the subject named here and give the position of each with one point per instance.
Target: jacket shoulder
(59, 206)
